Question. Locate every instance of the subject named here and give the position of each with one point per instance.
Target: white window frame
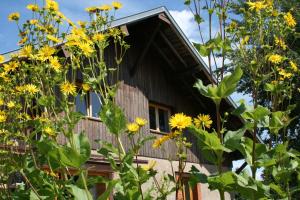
(156, 108)
(89, 107)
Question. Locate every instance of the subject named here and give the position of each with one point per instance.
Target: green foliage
(224, 89)
(114, 118)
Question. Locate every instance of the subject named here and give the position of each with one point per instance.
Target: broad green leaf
(240, 109)
(114, 118)
(196, 177)
(209, 144)
(78, 193)
(233, 138)
(203, 51)
(69, 157)
(82, 146)
(226, 87)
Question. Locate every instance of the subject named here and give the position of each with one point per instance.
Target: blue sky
(74, 9)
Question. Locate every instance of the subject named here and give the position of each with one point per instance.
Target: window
(89, 104)
(189, 193)
(159, 118)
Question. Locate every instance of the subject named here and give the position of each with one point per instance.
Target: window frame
(156, 109)
(195, 192)
(89, 107)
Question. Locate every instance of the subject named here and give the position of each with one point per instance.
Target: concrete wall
(165, 166)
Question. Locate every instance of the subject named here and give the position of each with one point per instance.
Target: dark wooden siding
(153, 80)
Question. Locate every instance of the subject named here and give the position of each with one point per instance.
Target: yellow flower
(52, 5)
(68, 88)
(49, 131)
(150, 166)
(280, 42)
(32, 89)
(117, 5)
(140, 121)
(5, 78)
(98, 37)
(45, 53)
(23, 40)
(2, 59)
(284, 74)
(105, 7)
(293, 66)
(54, 63)
(202, 121)
(159, 141)
(275, 59)
(91, 9)
(11, 66)
(86, 87)
(257, 6)
(33, 21)
(32, 7)
(245, 40)
(81, 24)
(290, 20)
(180, 121)
(26, 51)
(1, 102)
(11, 104)
(14, 16)
(86, 48)
(53, 39)
(133, 127)
(3, 116)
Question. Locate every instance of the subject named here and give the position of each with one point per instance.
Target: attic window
(89, 104)
(159, 118)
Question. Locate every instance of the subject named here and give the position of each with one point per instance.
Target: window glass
(152, 118)
(163, 120)
(95, 104)
(81, 104)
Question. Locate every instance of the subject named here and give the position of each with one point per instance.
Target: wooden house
(157, 77)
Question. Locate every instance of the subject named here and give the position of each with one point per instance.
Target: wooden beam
(124, 29)
(195, 96)
(190, 70)
(164, 18)
(145, 50)
(163, 55)
(172, 48)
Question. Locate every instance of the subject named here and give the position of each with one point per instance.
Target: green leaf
(203, 51)
(276, 122)
(226, 87)
(209, 144)
(78, 193)
(114, 118)
(198, 18)
(196, 177)
(240, 109)
(82, 146)
(229, 83)
(233, 138)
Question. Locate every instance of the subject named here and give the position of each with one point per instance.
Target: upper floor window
(89, 104)
(159, 118)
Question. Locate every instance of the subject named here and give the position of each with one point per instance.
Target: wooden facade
(158, 68)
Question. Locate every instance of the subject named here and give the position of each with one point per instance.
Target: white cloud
(185, 20)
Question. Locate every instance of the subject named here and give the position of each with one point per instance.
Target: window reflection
(95, 104)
